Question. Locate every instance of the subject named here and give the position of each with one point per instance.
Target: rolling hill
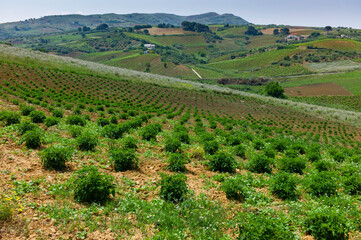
(61, 23)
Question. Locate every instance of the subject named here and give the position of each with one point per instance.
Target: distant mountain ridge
(60, 23)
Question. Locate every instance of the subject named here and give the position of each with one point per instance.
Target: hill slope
(60, 23)
(74, 133)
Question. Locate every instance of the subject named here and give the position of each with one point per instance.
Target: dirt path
(197, 73)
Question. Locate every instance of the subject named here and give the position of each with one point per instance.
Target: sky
(318, 13)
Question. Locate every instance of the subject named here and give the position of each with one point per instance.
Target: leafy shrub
(269, 152)
(260, 164)
(274, 89)
(263, 226)
(211, 147)
(292, 165)
(123, 159)
(151, 131)
(75, 131)
(33, 138)
(352, 184)
(51, 121)
(258, 144)
(10, 117)
(284, 186)
(197, 153)
(233, 140)
(176, 162)
(313, 156)
(291, 153)
(322, 184)
(58, 113)
(56, 157)
(113, 120)
(327, 223)
(240, 151)
(172, 145)
(76, 120)
(113, 131)
(27, 126)
(280, 145)
(77, 111)
(130, 142)
(87, 141)
(223, 162)
(323, 165)
(103, 122)
(92, 186)
(180, 128)
(299, 148)
(26, 110)
(182, 136)
(235, 188)
(173, 187)
(37, 116)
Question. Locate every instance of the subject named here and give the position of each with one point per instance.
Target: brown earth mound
(320, 89)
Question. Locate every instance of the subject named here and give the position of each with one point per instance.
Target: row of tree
(195, 27)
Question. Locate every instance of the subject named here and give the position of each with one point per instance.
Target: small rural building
(296, 38)
(149, 46)
(345, 36)
(292, 38)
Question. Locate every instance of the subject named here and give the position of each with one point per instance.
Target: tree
(276, 31)
(328, 29)
(103, 26)
(274, 89)
(285, 31)
(315, 34)
(253, 31)
(195, 27)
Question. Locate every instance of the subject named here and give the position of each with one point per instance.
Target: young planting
(89, 154)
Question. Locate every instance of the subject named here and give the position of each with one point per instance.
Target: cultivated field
(90, 151)
(321, 89)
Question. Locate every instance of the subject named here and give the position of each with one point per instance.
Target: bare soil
(168, 31)
(321, 89)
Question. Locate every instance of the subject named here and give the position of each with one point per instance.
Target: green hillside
(62, 23)
(94, 151)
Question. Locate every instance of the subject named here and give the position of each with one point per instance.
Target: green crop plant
(283, 185)
(92, 186)
(173, 188)
(37, 116)
(123, 159)
(87, 141)
(222, 162)
(56, 157)
(260, 163)
(176, 162)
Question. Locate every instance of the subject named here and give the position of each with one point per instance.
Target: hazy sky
(293, 12)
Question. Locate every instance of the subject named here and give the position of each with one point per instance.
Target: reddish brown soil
(168, 31)
(321, 89)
